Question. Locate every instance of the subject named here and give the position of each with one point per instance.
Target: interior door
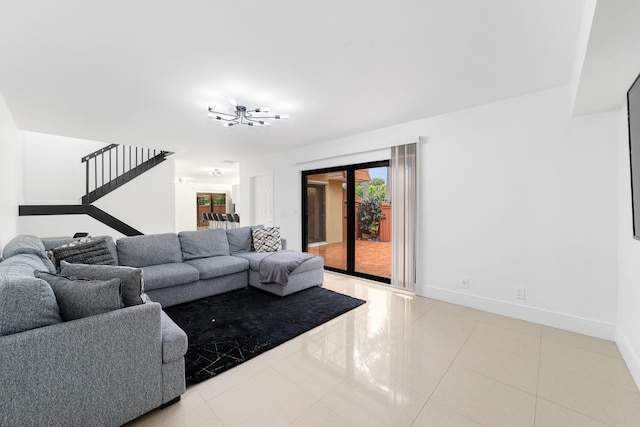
(262, 197)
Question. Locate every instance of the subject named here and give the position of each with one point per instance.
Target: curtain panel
(404, 209)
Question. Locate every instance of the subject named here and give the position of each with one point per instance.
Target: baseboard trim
(631, 358)
(553, 319)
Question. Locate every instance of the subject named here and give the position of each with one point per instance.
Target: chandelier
(244, 116)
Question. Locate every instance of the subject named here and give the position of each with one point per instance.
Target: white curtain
(404, 208)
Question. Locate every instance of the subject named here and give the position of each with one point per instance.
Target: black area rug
(226, 330)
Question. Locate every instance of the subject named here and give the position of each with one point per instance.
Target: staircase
(114, 165)
(106, 170)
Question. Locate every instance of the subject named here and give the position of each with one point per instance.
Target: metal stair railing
(114, 165)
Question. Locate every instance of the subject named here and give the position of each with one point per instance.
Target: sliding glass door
(324, 221)
(347, 218)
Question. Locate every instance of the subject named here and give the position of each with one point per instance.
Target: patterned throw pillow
(84, 251)
(266, 239)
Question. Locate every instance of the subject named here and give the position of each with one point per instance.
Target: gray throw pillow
(26, 303)
(239, 239)
(131, 278)
(82, 298)
(84, 251)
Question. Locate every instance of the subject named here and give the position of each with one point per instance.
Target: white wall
(52, 171)
(10, 173)
(64, 226)
(146, 203)
(516, 193)
(53, 174)
(628, 333)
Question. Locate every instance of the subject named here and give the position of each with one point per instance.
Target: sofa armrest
(98, 370)
(174, 340)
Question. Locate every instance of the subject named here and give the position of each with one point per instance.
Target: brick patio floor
(371, 257)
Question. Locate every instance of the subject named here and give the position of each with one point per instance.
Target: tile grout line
(535, 408)
(445, 374)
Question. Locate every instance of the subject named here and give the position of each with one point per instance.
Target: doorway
(316, 202)
(207, 203)
(347, 218)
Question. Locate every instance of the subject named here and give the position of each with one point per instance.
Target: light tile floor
(401, 360)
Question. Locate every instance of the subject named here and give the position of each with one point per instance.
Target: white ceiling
(143, 72)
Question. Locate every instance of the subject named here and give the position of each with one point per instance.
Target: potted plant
(369, 213)
(373, 229)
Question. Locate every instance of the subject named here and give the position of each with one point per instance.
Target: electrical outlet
(521, 293)
(464, 283)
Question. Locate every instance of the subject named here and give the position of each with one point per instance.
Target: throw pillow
(131, 278)
(239, 239)
(82, 298)
(26, 303)
(255, 227)
(84, 251)
(266, 239)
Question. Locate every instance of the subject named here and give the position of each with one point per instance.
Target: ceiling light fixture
(216, 172)
(245, 116)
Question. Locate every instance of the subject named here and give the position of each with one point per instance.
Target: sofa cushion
(254, 258)
(239, 239)
(84, 251)
(266, 239)
(130, 278)
(22, 245)
(152, 249)
(79, 298)
(170, 274)
(218, 266)
(203, 243)
(21, 265)
(26, 303)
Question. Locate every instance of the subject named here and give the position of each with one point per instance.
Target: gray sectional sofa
(196, 264)
(100, 370)
(111, 367)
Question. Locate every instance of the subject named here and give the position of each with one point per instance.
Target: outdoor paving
(371, 257)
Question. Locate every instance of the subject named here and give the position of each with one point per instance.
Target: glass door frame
(351, 220)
